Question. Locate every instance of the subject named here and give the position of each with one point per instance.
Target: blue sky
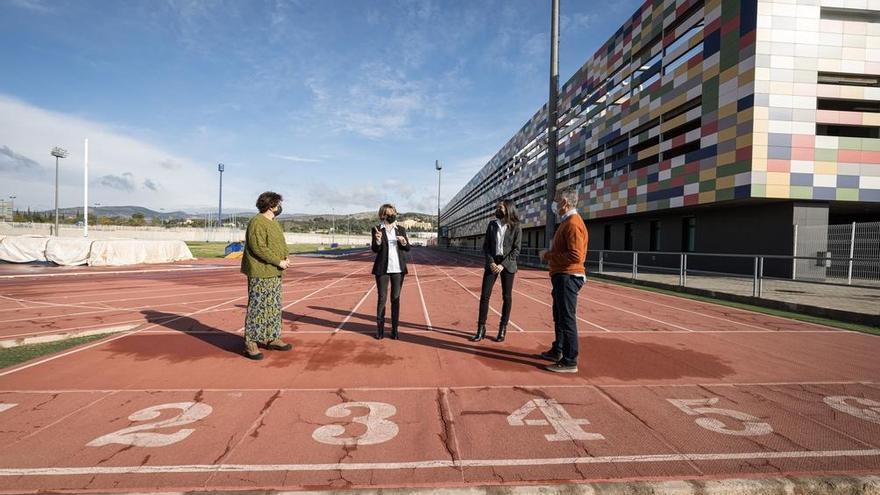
(334, 104)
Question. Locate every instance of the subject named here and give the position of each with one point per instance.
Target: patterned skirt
(263, 320)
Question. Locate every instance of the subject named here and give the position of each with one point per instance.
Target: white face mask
(555, 207)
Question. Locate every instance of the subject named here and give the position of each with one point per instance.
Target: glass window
(606, 240)
(689, 234)
(685, 38)
(683, 59)
(628, 236)
(655, 235)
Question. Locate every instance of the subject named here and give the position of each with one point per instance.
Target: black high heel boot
(481, 332)
(502, 332)
(394, 334)
(380, 330)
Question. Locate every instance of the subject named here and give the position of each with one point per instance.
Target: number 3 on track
(138, 436)
(843, 403)
(567, 428)
(379, 429)
(752, 425)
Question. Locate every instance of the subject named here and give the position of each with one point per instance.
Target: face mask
(278, 211)
(391, 218)
(555, 207)
(499, 214)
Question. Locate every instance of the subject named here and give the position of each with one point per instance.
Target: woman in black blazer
(391, 245)
(501, 249)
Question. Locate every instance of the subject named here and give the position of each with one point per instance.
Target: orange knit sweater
(569, 250)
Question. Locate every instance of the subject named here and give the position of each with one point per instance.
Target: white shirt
(393, 259)
(499, 238)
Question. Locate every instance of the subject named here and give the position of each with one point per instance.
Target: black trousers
(396, 280)
(486, 292)
(565, 296)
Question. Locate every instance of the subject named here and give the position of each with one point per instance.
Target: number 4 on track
(567, 428)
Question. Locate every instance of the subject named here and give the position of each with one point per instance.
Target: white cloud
(123, 170)
(38, 6)
(294, 158)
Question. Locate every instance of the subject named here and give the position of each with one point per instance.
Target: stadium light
(57, 153)
(439, 168)
(220, 168)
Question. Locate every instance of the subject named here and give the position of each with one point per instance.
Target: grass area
(15, 355)
(215, 249)
(757, 309)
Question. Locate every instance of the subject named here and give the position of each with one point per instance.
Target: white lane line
(593, 301)
(6, 343)
(511, 322)
(422, 296)
(454, 387)
(437, 464)
(551, 306)
(44, 304)
(355, 308)
(126, 334)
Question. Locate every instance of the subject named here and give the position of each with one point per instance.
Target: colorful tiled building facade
(705, 125)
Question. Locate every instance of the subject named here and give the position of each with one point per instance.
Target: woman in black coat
(390, 245)
(500, 248)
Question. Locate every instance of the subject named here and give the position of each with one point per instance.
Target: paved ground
(668, 388)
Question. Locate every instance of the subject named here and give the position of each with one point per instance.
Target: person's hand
(377, 234)
(493, 266)
(543, 254)
(401, 240)
(497, 269)
(284, 264)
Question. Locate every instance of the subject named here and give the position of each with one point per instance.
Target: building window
(683, 59)
(856, 131)
(628, 236)
(849, 15)
(689, 234)
(863, 80)
(606, 240)
(848, 105)
(655, 235)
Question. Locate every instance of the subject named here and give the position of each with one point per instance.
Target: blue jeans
(565, 295)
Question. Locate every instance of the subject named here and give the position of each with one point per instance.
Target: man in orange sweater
(566, 259)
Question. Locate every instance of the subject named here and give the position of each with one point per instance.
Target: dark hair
(383, 210)
(511, 217)
(267, 201)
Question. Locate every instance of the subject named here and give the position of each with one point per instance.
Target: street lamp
(12, 206)
(439, 168)
(220, 168)
(57, 153)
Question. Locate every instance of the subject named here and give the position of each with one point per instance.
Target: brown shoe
(251, 351)
(279, 345)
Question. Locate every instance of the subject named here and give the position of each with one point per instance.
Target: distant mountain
(128, 211)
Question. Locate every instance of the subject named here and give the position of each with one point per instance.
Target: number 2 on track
(139, 436)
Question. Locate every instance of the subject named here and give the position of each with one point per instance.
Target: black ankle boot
(481, 332)
(380, 330)
(394, 334)
(502, 332)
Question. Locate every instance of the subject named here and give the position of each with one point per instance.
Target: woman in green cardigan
(264, 260)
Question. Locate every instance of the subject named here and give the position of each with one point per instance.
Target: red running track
(668, 388)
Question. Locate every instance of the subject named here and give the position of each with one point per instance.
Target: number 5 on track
(699, 407)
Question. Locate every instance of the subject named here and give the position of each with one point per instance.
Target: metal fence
(848, 253)
(737, 273)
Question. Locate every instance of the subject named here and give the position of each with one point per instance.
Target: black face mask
(278, 212)
(391, 218)
(499, 214)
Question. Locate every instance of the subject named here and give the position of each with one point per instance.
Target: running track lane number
(567, 428)
(843, 403)
(379, 429)
(6, 407)
(699, 407)
(140, 436)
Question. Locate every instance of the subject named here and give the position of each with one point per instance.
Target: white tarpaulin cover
(23, 248)
(134, 252)
(68, 251)
(71, 251)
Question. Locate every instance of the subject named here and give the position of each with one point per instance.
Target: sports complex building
(709, 126)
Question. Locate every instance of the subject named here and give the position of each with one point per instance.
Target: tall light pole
(12, 207)
(333, 229)
(220, 168)
(552, 121)
(86, 189)
(57, 153)
(439, 168)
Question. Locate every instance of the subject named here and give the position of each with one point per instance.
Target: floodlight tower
(57, 153)
(220, 168)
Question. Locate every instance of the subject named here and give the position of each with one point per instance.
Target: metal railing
(747, 274)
